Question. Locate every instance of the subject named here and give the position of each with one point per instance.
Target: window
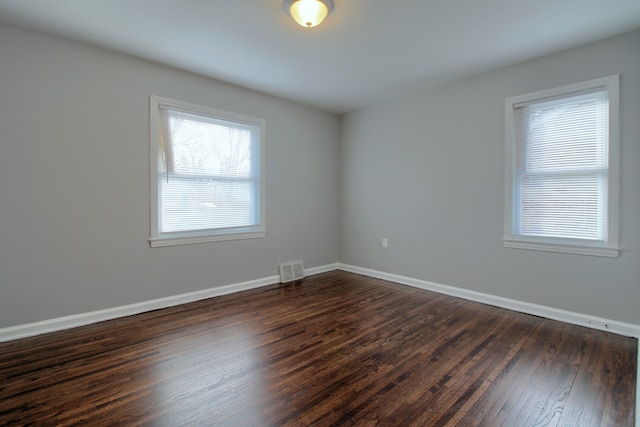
(206, 174)
(562, 178)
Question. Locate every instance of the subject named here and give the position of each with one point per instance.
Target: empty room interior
(414, 213)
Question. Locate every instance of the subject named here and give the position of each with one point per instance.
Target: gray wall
(427, 172)
(74, 186)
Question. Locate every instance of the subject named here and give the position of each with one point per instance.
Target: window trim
(158, 239)
(607, 248)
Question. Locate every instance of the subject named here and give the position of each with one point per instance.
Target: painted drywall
(74, 182)
(427, 172)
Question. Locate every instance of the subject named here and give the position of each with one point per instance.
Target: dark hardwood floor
(333, 349)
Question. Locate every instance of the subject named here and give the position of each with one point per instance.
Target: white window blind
(208, 174)
(561, 170)
(562, 161)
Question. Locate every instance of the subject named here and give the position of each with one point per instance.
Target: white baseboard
(36, 328)
(75, 320)
(613, 326)
(322, 269)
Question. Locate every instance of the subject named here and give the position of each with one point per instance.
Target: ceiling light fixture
(308, 13)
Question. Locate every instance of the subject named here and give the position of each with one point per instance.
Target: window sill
(568, 249)
(158, 242)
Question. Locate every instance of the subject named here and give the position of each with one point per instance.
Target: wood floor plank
(332, 349)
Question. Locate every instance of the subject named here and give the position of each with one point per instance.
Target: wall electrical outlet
(385, 242)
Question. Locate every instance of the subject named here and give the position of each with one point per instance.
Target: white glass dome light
(309, 13)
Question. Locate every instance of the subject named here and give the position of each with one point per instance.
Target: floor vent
(290, 271)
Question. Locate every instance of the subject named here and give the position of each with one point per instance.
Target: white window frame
(158, 238)
(512, 239)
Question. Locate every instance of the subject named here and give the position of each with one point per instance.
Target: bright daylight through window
(561, 190)
(206, 174)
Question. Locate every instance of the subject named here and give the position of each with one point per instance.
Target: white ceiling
(365, 51)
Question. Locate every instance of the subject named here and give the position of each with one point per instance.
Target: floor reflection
(212, 377)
